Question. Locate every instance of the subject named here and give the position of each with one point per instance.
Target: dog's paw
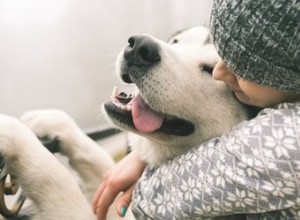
(50, 124)
(14, 137)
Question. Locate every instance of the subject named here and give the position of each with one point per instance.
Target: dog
(177, 106)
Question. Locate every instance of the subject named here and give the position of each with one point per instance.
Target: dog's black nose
(141, 51)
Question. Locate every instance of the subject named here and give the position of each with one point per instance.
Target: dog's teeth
(121, 100)
(115, 92)
(120, 106)
(128, 107)
(123, 107)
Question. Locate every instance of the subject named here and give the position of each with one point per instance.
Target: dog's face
(178, 104)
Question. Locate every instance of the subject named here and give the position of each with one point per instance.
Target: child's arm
(253, 169)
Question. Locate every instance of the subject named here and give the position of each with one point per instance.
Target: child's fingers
(97, 196)
(107, 198)
(124, 201)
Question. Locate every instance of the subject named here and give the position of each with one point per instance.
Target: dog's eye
(174, 41)
(207, 68)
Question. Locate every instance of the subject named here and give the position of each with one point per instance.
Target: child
(255, 169)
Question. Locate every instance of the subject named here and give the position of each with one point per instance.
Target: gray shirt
(253, 169)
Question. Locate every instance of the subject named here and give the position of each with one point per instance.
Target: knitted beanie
(260, 40)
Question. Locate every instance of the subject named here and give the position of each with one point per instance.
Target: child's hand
(122, 178)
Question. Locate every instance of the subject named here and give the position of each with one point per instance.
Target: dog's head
(178, 103)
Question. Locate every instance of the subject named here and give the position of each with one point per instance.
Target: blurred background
(61, 53)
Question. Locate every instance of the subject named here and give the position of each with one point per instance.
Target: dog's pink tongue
(144, 119)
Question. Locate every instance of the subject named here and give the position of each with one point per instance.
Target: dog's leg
(85, 156)
(49, 185)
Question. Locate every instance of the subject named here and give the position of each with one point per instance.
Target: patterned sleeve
(253, 169)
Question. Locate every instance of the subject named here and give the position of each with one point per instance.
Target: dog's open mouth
(133, 111)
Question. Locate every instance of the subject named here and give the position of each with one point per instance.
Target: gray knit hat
(260, 40)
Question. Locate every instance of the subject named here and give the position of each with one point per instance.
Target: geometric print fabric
(253, 169)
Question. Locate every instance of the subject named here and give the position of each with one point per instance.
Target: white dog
(178, 106)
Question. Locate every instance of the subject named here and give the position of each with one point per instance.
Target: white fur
(85, 156)
(51, 188)
(53, 192)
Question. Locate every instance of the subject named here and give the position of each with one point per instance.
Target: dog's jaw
(133, 112)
